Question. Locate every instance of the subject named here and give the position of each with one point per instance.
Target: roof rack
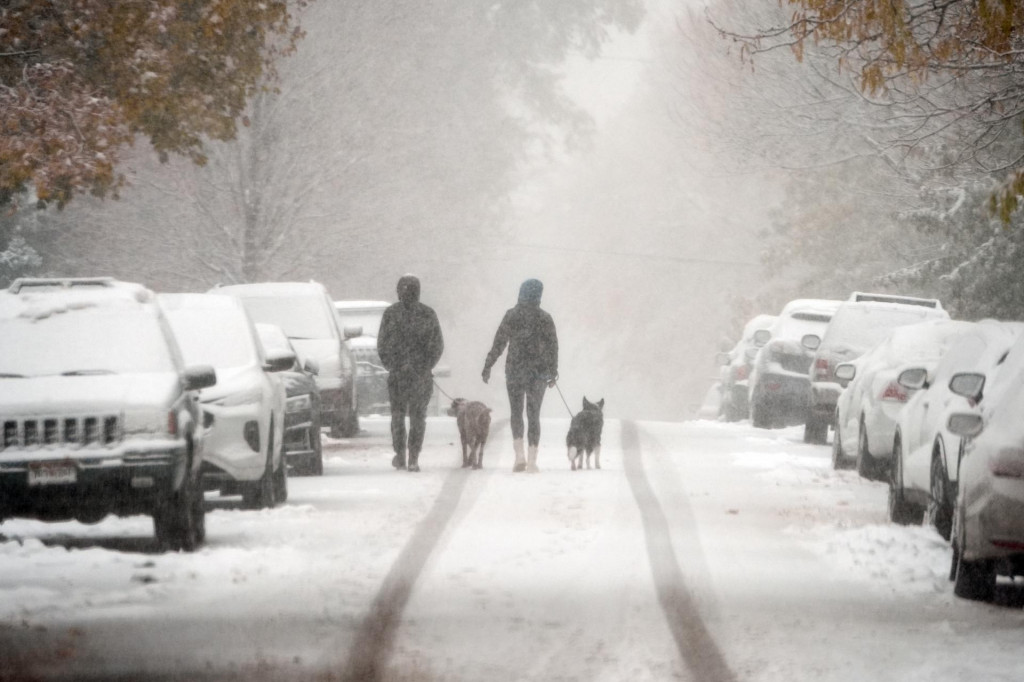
(59, 283)
(860, 296)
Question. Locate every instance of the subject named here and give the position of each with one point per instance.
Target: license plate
(51, 473)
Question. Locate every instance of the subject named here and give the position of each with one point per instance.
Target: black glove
(486, 374)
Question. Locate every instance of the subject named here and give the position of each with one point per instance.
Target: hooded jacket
(409, 342)
(529, 333)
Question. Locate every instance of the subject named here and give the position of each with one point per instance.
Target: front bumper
(225, 444)
(994, 519)
(124, 480)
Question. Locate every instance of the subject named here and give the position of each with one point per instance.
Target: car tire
(760, 415)
(867, 465)
(838, 458)
(940, 507)
(974, 580)
(179, 523)
(815, 430)
(281, 479)
(260, 494)
(900, 510)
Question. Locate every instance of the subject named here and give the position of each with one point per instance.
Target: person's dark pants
(409, 396)
(532, 392)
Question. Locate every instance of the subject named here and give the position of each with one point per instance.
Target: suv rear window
(859, 328)
(301, 317)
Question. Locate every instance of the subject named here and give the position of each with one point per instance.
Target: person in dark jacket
(409, 344)
(531, 365)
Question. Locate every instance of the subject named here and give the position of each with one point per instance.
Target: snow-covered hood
(104, 393)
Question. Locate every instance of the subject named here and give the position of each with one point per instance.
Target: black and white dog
(585, 434)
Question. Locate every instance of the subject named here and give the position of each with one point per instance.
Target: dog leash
(571, 415)
(438, 387)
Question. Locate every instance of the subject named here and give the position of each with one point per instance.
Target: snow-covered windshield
(301, 317)
(212, 336)
(368, 319)
(799, 324)
(89, 341)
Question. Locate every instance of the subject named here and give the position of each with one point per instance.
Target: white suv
(99, 412)
(245, 411)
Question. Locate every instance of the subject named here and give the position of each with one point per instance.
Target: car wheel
(815, 430)
(281, 479)
(179, 523)
(760, 416)
(940, 507)
(975, 580)
(838, 458)
(316, 464)
(867, 466)
(900, 510)
(260, 494)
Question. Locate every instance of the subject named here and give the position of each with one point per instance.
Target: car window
(798, 324)
(210, 336)
(860, 328)
(301, 317)
(92, 340)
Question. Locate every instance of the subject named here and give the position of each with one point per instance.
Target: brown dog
(474, 420)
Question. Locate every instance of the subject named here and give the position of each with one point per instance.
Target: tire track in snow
(695, 644)
(367, 661)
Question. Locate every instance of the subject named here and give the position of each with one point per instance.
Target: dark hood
(530, 292)
(409, 289)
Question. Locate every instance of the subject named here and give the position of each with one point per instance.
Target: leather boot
(520, 464)
(531, 465)
(398, 461)
(414, 461)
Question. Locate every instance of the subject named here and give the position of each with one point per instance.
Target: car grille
(43, 431)
(800, 364)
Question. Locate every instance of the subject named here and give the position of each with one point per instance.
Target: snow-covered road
(701, 551)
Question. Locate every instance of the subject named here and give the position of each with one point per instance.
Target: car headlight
(299, 403)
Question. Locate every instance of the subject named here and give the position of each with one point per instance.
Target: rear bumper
(995, 519)
(824, 396)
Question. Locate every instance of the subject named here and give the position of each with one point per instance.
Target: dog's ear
(600, 404)
(586, 403)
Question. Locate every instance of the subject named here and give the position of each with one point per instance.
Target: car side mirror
(198, 376)
(810, 341)
(965, 424)
(353, 332)
(761, 337)
(723, 359)
(846, 371)
(914, 378)
(279, 361)
(311, 366)
(969, 385)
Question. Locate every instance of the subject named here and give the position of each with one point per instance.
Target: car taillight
(1007, 463)
(821, 369)
(172, 423)
(895, 393)
(742, 372)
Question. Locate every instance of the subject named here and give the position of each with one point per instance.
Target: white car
(306, 313)
(988, 518)
(924, 473)
(736, 366)
(245, 411)
(856, 327)
(372, 378)
(100, 414)
(866, 412)
(779, 386)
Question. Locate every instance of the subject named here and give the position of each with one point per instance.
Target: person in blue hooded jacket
(409, 344)
(530, 366)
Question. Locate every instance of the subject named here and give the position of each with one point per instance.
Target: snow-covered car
(306, 313)
(988, 517)
(855, 328)
(302, 443)
(736, 365)
(923, 476)
(372, 378)
(244, 414)
(100, 414)
(779, 386)
(866, 412)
